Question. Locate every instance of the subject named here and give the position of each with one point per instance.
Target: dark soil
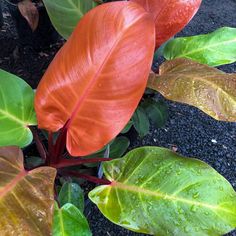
(188, 130)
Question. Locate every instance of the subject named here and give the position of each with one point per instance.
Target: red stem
(41, 149)
(87, 177)
(77, 161)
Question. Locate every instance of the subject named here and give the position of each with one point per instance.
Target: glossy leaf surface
(65, 14)
(16, 110)
(96, 80)
(170, 16)
(71, 193)
(26, 197)
(69, 221)
(207, 88)
(141, 122)
(158, 192)
(214, 49)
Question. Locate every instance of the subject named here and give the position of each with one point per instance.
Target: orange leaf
(96, 80)
(30, 12)
(26, 197)
(207, 88)
(170, 16)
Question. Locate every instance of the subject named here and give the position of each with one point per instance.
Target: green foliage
(141, 122)
(69, 221)
(156, 191)
(71, 193)
(156, 111)
(65, 14)
(214, 49)
(16, 110)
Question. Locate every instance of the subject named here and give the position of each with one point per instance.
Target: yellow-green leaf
(156, 191)
(16, 110)
(214, 49)
(26, 197)
(204, 87)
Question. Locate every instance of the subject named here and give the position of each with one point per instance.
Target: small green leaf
(127, 127)
(69, 221)
(214, 49)
(16, 110)
(156, 191)
(71, 193)
(156, 111)
(119, 147)
(141, 122)
(65, 14)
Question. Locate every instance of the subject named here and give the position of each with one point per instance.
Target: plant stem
(77, 161)
(90, 178)
(41, 149)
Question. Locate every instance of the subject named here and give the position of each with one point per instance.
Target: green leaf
(127, 127)
(214, 49)
(69, 221)
(156, 191)
(119, 147)
(65, 14)
(71, 193)
(156, 111)
(16, 110)
(141, 122)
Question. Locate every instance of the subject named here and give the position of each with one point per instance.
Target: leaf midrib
(12, 117)
(204, 48)
(165, 196)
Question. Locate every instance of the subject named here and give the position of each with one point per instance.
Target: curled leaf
(97, 79)
(204, 87)
(26, 197)
(170, 16)
(158, 192)
(30, 12)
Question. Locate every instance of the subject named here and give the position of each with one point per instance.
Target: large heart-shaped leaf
(155, 191)
(97, 79)
(170, 16)
(16, 110)
(26, 197)
(214, 49)
(65, 14)
(70, 221)
(207, 88)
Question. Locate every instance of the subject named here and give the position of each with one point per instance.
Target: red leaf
(96, 80)
(170, 16)
(30, 12)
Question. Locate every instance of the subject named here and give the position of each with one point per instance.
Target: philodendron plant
(85, 99)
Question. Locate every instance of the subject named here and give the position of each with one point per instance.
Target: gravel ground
(189, 130)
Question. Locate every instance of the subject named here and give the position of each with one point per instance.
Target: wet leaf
(69, 220)
(26, 197)
(141, 122)
(156, 191)
(71, 193)
(170, 16)
(65, 14)
(214, 49)
(16, 110)
(97, 70)
(207, 88)
(156, 111)
(30, 12)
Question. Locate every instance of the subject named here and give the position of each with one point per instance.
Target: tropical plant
(85, 99)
